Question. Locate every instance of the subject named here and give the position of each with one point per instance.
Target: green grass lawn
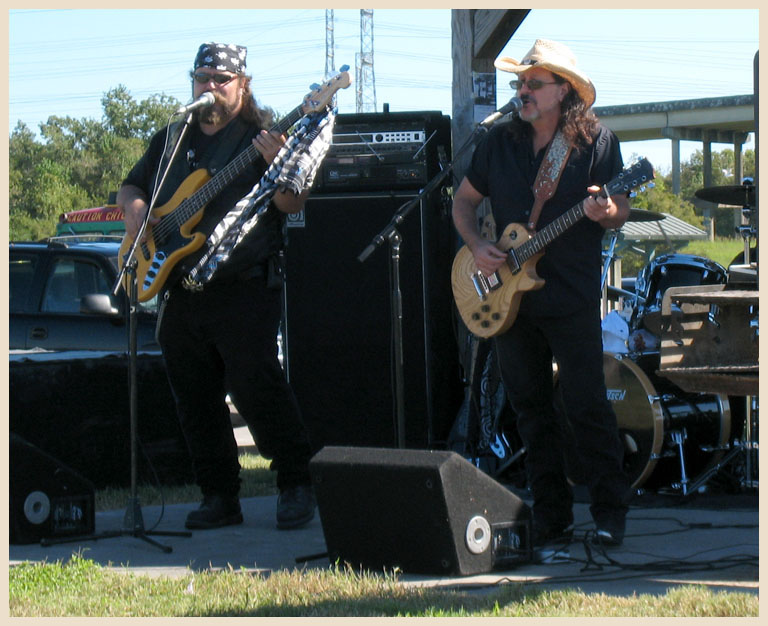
(84, 589)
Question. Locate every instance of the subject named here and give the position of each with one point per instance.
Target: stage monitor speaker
(338, 333)
(422, 511)
(48, 499)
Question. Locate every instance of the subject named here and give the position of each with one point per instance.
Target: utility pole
(366, 82)
(330, 66)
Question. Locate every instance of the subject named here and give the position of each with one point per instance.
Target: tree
(723, 165)
(77, 162)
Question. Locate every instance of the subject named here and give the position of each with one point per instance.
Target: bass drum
(653, 413)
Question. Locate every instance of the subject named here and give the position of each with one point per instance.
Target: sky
(63, 61)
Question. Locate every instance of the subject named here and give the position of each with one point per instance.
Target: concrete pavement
(709, 541)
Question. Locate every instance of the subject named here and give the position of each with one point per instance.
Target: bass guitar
(172, 238)
(489, 304)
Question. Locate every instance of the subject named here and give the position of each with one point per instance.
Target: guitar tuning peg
(651, 185)
(633, 194)
(314, 86)
(642, 188)
(344, 68)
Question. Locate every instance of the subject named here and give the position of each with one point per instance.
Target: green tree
(77, 162)
(723, 166)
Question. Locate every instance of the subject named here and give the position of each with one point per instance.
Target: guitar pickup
(485, 284)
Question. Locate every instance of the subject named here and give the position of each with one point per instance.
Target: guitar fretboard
(549, 233)
(191, 205)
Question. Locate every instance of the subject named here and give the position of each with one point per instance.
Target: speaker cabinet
(422, 511)
(48, 499)
(338, 334)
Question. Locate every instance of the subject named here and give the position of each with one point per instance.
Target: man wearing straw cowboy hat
(557, 127)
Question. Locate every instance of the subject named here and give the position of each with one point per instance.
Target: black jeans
(592, 441)
(224, 340)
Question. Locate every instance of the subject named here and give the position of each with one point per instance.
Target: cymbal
(641, 215)
(736, 195)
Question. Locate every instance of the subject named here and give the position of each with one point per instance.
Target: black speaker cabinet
(338, 335)
(48, 499)
(422, 511)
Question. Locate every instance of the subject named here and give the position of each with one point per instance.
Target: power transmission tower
(366, 82)
(330, 66)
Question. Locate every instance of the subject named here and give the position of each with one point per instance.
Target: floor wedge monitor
(421, 511)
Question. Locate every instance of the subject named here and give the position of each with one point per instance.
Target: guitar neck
(232, 170)
(549, 233)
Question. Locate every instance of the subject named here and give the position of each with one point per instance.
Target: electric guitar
(172, 239)
(489, 304)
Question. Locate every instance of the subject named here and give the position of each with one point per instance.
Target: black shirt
(504, 169)
(212, 153)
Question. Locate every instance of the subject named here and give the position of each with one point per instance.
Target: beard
(219, 112)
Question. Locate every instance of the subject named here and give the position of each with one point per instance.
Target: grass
(721, 250)
(257, 480)
(81, 588)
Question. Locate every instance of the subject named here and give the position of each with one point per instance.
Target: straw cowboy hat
(556, 58)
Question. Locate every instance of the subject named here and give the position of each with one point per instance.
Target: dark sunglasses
(532, 83)
(219, 79)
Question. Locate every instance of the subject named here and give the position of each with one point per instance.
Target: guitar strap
(550, 170)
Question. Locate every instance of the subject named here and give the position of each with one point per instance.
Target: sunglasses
(532, 83)
(219, 79)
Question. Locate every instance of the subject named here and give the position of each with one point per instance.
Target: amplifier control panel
(383, 152)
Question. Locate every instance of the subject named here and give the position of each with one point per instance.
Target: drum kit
(675, 441)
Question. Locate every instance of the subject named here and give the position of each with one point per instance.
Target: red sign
(109, 213)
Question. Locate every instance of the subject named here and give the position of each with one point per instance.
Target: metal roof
(669, 229)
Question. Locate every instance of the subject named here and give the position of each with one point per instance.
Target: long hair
(577, 122)
(252, 112)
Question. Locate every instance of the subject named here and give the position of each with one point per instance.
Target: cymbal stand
(610, 257)
(747, 232)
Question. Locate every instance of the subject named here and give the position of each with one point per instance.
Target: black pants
(223, 340)
(525, 356)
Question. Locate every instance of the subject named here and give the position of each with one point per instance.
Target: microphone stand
(390, 234)
(133, 521)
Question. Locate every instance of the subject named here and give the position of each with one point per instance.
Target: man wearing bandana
(222, 339)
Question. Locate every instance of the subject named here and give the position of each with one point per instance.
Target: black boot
(295, 507)
(215, 511)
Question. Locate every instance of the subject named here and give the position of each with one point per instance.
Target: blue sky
(61, 62)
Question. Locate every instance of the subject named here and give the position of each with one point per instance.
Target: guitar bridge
(485, 284)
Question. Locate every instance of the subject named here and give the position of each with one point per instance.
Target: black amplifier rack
(380, 152)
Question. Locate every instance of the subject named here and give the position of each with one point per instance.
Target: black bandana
(220, 56)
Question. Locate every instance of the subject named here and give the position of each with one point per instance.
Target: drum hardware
(669, 436)
(746, 447)
(735, 195)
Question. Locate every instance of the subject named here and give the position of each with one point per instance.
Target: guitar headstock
(321, 95)
(637, 175)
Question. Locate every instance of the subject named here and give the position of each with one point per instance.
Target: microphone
(515, 104)
(205, 100)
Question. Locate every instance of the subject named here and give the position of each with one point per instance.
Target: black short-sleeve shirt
(199, 151)
(504, 169)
